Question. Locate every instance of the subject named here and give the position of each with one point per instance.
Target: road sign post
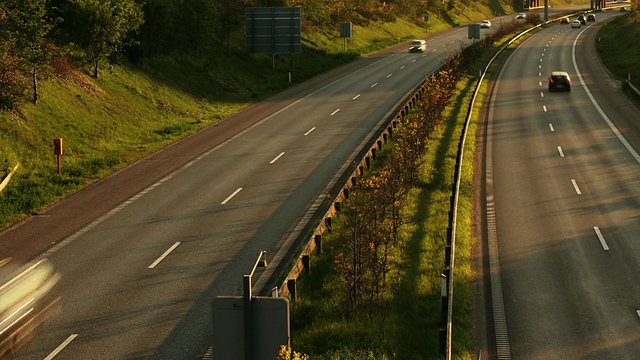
(57, 150)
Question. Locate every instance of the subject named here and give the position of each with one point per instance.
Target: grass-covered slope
(619, 49)
(133, 110)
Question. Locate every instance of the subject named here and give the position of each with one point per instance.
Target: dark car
(559, 80)
(591, 17)
(564, 20)
(582, 19)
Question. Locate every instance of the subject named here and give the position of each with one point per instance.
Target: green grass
(617, 45)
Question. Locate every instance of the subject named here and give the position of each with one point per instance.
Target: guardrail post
(318, 240)
(291, 286)
(306, 263)
(447, 256)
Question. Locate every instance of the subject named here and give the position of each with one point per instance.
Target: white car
(485, 24)
(418, 46)
(576, 24)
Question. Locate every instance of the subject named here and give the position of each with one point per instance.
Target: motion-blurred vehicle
(27, 299)
(591, 17)
(521, 16)
(485, 24)
(559, 80)
(564, 20)
(418, 46)
(576, 24)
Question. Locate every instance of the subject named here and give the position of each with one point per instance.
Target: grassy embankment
(617, 45)
(131, 111)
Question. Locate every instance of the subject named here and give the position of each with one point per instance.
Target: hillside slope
(133, 110)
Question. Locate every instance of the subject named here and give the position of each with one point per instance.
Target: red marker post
(57, 150)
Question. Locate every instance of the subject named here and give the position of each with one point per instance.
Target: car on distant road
(559, 80)
(591, 17)
(485, 24)
(576, 24)
(623, 9)
(564, 20)
(521, 16)
(418, 46)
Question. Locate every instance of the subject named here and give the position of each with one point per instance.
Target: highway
(563, 204)
(143, 253)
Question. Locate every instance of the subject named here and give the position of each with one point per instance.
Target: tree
(232, 15)
(29, 26)
(103, 26)
(12, 84)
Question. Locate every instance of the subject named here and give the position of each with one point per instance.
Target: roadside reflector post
(57, 150)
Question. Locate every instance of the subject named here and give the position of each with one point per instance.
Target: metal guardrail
(319, 218)
(7, 178)
(632, 87)
(309, 237)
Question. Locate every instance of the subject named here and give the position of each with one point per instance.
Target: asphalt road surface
(563, 204)
(143, 253)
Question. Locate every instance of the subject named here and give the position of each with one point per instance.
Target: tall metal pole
(546, 10)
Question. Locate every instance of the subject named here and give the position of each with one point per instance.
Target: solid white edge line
(231, 196)
(310, 130)
(560, 151)
(613, 128)
(276, 158)
(158, 260)
(575, 186)
(61, 347)
(601, 238)
(503, 348)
